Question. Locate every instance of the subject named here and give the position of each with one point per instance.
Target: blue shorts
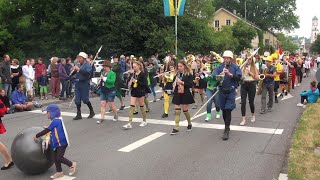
(108, 96)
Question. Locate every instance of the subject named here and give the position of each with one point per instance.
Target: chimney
(234, 11)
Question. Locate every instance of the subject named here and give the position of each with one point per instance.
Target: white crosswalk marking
(141, 142)
(66, 178)
(184, 123)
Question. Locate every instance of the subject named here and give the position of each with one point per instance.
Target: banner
(181, 5)
(168, 7)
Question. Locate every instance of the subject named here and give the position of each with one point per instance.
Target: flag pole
(176, 26)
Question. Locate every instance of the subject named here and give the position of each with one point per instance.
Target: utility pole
(176, 26)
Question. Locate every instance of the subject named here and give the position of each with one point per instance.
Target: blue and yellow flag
(169, 7)
(181, 5)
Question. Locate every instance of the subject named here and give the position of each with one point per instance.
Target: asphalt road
(256, 151)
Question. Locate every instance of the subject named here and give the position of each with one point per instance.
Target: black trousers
(227, 118)
(304, 98)
(248, 89)
(59, 158)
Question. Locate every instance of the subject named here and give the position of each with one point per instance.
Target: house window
(228, 22)
(266, 42)
(216, 23)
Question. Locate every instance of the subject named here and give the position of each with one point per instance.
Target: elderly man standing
(82, 84)
(5, 74)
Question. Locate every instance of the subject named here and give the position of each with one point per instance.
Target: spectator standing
(55, 81)
(123, 66)
(70, 79)
(38, 72)
(5, 74)
(43, 82)
(63, 78)
(28, 73)
(16, 73)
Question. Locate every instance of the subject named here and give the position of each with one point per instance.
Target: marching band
(214, 76)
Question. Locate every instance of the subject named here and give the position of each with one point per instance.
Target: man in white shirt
(28, 73)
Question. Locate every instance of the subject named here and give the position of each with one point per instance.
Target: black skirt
(138, 92)
(185, 98)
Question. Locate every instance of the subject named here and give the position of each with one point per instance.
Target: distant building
(315, 30)
(223, 17)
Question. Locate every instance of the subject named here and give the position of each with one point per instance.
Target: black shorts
(276, 85)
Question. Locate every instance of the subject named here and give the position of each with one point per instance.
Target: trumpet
(161, 74)
(129, 71)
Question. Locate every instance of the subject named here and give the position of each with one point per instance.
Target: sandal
(8, 166)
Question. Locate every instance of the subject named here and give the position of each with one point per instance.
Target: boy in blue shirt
(58, 140)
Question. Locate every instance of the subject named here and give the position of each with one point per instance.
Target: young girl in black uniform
(139, 88)
(182, 96)
(168, 85)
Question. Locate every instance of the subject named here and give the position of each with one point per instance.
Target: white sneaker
(207, 119)
(143, 124)
(295, 85)
(298, 85)
(253, 119)
(100, 121)
(300, 105)
(243, 123)
(127, 126)
(218, 116)
(115, 118)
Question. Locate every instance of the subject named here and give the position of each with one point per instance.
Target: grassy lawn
(303, 162)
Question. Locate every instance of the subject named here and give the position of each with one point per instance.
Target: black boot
(226, 134)
(276, 99)
(91, 115)
(78, 117)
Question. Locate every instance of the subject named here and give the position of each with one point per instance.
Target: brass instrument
(261, 78)
(217, 56)
(129, 71)
(161, 74)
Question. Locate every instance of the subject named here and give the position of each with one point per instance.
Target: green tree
(287, 43)
(64, 28)
(244, 33)
(271, 14)
(315, 47)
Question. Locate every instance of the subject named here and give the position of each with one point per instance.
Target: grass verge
(303, 162)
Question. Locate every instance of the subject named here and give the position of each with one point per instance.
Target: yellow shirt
(278, 68)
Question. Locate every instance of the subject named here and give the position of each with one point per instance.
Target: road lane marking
(141, 142)
(288, 96)
(283, 176)
(183, 123)
(66, 178)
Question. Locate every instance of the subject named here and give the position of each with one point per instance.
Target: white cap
(228, 54)
(83, 54)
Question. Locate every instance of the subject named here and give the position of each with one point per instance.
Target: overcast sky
(307, 9)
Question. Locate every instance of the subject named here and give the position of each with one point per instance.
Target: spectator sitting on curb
(4, 98)
(311, 96)
(19, 100)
